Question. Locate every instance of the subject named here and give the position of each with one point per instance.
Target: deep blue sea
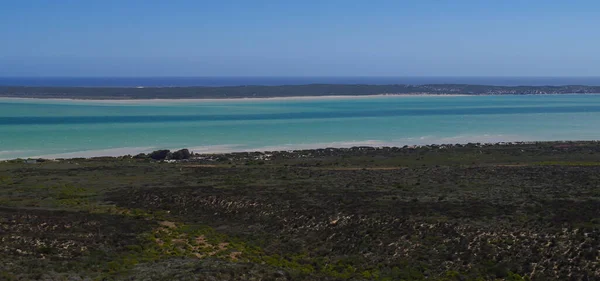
(234, 81)
(65, 128)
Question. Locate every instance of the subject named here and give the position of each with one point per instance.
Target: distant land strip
(310, 90)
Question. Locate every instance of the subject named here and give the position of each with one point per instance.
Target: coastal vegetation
(165, 154)
(256, 91)
(521, 211)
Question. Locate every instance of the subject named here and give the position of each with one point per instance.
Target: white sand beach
(197, 100)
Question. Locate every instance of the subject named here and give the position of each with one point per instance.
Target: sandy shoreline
(246, 99)
(332, 97)
(239, 148)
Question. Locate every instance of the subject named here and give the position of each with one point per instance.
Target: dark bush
(160, 154)
(181, 154)
(140, 156)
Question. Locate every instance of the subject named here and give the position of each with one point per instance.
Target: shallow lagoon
(70, 128)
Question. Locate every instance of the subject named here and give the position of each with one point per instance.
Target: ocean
(271, 81)
(67, 128)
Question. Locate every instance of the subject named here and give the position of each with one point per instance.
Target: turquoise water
(62, 128)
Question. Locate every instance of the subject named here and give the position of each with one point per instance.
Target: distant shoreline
(287, 91)
(249, 99)
(332, 97)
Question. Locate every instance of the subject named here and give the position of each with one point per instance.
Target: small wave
(462, 139)
(8, 152)
(220, 148)
(339, 144)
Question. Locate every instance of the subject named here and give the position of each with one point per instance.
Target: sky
(133, 38)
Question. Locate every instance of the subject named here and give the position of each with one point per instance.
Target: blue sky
(299, 38)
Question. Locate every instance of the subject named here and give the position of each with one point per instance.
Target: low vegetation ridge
(519, 211)
(282, 91)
